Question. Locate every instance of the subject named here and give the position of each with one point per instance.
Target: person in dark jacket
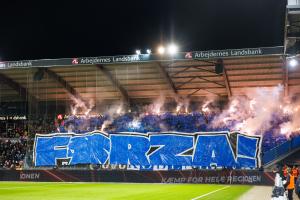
(284, 172)
(295, 172)
(297, 187)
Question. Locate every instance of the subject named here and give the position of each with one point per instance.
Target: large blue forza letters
(174, 150)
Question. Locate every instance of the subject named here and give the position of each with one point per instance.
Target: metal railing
(281, 150)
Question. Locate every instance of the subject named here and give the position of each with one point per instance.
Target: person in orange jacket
(290, 184)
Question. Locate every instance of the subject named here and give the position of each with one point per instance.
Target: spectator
(290, 184)
(12, 152)
(295, 172)
(297, 187)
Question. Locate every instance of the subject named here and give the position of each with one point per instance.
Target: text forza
(147, 150)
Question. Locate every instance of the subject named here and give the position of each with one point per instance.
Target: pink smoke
(253, 112)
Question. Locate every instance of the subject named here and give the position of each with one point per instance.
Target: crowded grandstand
(218, 117)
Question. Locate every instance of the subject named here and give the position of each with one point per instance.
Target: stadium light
(161, 50)
(293, 62)
(172, 49)
(138, 52)
(149, 51)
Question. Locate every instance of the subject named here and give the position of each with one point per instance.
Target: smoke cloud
(255, 112)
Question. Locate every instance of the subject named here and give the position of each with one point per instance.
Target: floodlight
(161, 50)
(149, 51)
(138, 52)
(293, 62)
(172, 49)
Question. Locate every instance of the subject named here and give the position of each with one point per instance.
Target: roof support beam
(211, 81)
(201, 78)
(197, 90)
(227, 84)
(185, 69)
(23, 92)
(285, 77)
(198, 68)
(70, 89)
(182, 84)
(168, 79)
(206, 70)
(116, 83)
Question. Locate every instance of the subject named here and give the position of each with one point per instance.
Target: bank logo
(75, 61)
(188, 55)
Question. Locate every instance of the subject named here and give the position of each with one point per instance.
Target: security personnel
(290, 184)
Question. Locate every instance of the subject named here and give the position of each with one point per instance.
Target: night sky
(34, 30)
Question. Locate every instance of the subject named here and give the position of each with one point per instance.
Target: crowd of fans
(13, 144)
(12, 151)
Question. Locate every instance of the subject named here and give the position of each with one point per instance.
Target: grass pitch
(101, 191)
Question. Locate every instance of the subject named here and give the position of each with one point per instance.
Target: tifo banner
(151, 151)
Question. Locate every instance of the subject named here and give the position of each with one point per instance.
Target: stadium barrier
(281, 150)
(249, 177)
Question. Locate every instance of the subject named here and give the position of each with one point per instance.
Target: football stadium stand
(234, 109)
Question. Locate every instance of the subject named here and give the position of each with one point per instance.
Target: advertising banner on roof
(198, 55)
(216, 54)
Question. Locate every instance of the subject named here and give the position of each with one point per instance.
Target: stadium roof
(188, 74)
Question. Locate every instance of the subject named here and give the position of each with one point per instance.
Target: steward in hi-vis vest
(290, 184)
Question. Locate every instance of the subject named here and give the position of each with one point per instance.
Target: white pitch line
(11, 188)
(204, 195)
(29, 186)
